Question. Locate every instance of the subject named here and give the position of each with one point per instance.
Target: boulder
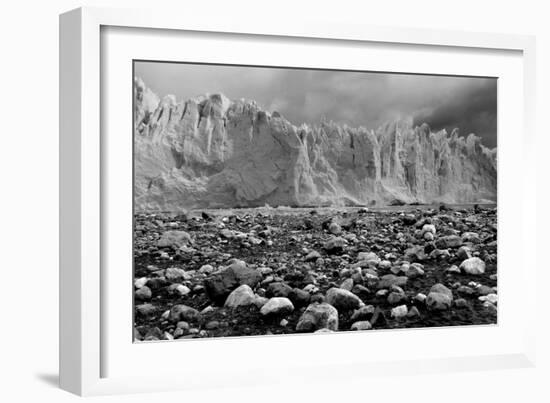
(241, 296)
(388, 280)
(279, 289)
(473, 265)
(439, 298)
(183, 313)
(318, 316)
(399, 312)
(277, 306)
(343, 300)
(174, 239)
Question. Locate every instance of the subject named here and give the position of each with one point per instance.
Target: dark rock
(378, 318)
(343, 300)
(278, 290)
(183, 313)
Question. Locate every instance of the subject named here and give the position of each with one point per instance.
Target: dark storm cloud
(472, 109)
(358, 99)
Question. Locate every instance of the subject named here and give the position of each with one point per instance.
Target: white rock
(241, 296)
(140, 282)
(277, 306)
(474, 265)
(399, 311)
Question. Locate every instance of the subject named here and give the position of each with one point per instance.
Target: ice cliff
(215, 152)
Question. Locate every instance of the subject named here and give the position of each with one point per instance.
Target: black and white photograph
(270, 200)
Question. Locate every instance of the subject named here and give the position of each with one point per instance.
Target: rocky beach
(251, 223)
(268, 271)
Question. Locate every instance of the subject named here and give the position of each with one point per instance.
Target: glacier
(213, 152)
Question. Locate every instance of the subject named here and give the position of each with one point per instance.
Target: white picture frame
(82, 196)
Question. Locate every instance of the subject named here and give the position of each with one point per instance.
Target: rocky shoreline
(282, 271)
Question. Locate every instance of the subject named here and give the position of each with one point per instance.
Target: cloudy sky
(358, 99)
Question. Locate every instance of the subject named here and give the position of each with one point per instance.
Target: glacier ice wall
(212, 152)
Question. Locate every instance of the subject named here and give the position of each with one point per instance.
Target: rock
(183, 312)
(207, 269)
(490, 307)
(363, 313)
(334, 228)
(413, 312)
(428, 229)
(175, 274)
(384, 264)
(439, 298)
(415, 254)
(300, 297)
(428, 236)
(449, 241)
(277, 306)
(318, 316)
(399, 311)
(260, 301)
(343, 300)
(143, 294)
(220, 284)
(311, 288)
(473, 266)
(471, 237)
(279, 290)
(414, 270)
(361, 291)
(461, 303)
(140, 282)
(492, 298)
(378, 318)
(146, 310)
(388, 280)
(369, 257)
(453, 269)
(241, 296)
(179, 289)
(361, 325)
(312, 256)
(484, 290)
(421, 298)
(174, 239)
(244, 274)
(213, 324)
(396, 298)
(347, 284)
(335, 245)
(464, 253)
(465, 290)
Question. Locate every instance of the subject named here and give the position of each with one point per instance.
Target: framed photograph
(245, 202)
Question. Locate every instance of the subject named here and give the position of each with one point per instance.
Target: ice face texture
(212, 152)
